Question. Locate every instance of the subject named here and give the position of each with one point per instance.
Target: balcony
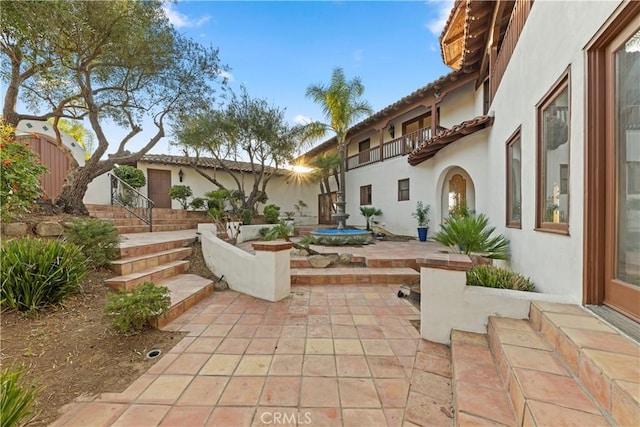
(396, 147)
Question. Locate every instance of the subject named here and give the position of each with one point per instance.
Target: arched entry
(456, 190)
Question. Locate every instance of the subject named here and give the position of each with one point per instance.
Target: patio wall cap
(446, 261)
(271, 246)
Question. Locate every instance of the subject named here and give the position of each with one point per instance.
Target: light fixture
(436, 93)
(392, 131)
(180, 174)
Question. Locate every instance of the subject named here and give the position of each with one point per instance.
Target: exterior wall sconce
(392, 131)
(436, 93)
(180, 174)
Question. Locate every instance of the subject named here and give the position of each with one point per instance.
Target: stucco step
(351, 275)
(480, 396)
(145, 228)
(543, 391)
(186, 290)
(153, 243)
(302, 262)
(151, 274)
(139, 263)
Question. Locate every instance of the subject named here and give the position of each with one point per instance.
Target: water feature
(333, 232)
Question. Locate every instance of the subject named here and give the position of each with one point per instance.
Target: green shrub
(16, 398)
(334, 240)
(197, 203)
(490, 276)
(97, 239)
(132, 176)
(131, 311)
(181, 193)
(20, 172)
(37, 273)
(271, 214)
(277, 232)
(472, 235)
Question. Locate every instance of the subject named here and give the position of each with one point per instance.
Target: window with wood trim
(365, 195)
(553, 132)
(514, 179)
(403, 189)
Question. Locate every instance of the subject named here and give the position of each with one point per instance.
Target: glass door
(622, 285)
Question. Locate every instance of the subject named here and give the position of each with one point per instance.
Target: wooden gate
(51, 156)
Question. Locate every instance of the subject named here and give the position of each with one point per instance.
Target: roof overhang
(464, 37)
(431, 147)
(205, 163)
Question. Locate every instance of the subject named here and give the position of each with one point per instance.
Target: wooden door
(54, 158)
(326, 207)
(622, 198)
(158, 184)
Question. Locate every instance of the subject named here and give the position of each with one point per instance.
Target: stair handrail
(132, 200)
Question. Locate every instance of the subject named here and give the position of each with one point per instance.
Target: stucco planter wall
(448, 303)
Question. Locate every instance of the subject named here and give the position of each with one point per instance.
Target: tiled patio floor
(328, 355)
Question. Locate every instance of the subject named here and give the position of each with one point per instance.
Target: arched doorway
(456, 191)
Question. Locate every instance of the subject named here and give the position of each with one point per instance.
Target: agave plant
(472, 235)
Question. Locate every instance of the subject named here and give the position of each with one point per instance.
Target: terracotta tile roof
(203, 162)
(441, 84)
(430, 148)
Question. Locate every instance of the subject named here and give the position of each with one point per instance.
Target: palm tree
(326, 166)
(342, 106)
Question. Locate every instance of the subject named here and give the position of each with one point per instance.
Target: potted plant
(422, 215)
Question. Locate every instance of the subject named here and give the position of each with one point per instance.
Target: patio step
(303, 262)
(151, 274)
(186, 290)
(562, 366)
(139, 263)
(351, 275)
(135, 248)
(163, 219)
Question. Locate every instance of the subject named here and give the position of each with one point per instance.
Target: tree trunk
(70, 200)
(341, 215)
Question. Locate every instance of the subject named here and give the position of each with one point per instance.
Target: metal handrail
(124, 195)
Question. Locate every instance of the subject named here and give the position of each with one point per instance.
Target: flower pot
(422, 233)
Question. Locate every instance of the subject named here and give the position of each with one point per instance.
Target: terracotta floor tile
(276, 416)
(342, 319)
(319, 346)
(625, 403)
(559, 390)
(163, 363)
(319, 392)
(294, 331)
(393, 392)
(468, 338)
(478, 373)
(615, 366)
(281, 391)
(502, 323)
(403, 347)
(183, 345)
(204, 345)
(203, 390)
(325, 417)
(358, 393)
(602, 341)
(132, 392)
(370, 331)
(180, 416)
(465, 419)
(242, 391)
(364, 319)
(578, 322)
(319, 331)
(220, 364)
(242, 331)
(425, 411)
(93, 413)
(434, 348)
(233, 346)
(347, 346)
(526, 338)
(286, 364)
(472, 354)
(376, 347)
(319, 366)
(484, 402)
(561, 308)
(340, 331)
(547, 414)
(386, 367)
(165, 389)
(262, 346)
(352, 366)
(434, 364)
(539, 360)
(228, 319)
(231, 417)
(431, 385)
(142, 415)
(253, 365)
(250, 319)
(268, 331)
(187, 364)
(291, 346)
(364, 418)
(216, 331)
(394, 417)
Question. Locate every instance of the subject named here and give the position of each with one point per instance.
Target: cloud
(443, 9)
(226, 75)
(180, 20)
(302, 120)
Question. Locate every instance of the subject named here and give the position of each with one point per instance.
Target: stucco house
(538, 127)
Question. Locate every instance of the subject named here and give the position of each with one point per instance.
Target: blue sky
(277, 49)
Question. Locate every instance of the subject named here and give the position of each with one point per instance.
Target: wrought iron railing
(124, 195)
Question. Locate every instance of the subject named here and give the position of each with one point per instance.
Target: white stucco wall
(552, 40)
(26, 127)
(284, 191)
(458, 106)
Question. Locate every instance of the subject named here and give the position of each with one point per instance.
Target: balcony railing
(397, 147)
(516, 24)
